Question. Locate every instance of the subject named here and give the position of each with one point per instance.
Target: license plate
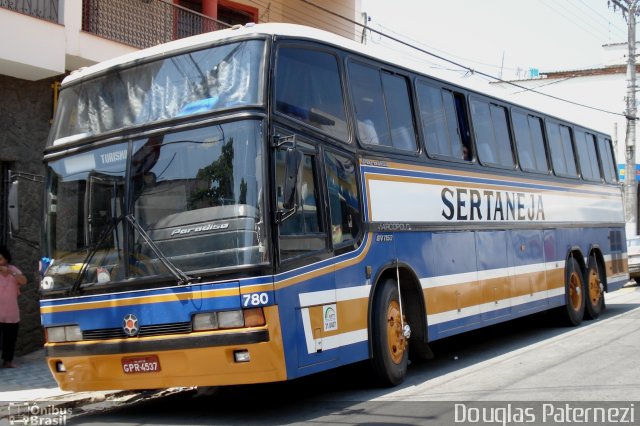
(141, 364)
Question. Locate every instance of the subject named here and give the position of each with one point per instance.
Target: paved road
(530, 359)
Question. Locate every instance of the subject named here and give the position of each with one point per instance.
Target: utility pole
(629, 10)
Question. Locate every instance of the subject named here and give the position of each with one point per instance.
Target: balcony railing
(43, 9)
(143, 23)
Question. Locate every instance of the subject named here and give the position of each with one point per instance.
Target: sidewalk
(32, 384)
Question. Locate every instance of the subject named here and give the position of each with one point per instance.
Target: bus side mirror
(292, 181)
(13, 213)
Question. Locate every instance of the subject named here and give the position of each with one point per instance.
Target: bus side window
(587, 156)
(308, 89)
(344, 204)
(564, 161)
(530, 142)
(607, 160)
(493, 140)
(303, 232)
(443, 119)
(383, 108)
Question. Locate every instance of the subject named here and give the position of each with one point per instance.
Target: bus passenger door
(305, 279)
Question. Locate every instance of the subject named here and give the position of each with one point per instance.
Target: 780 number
(255, 299)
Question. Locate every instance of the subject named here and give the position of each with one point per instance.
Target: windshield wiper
(92, 252)
(180, 276)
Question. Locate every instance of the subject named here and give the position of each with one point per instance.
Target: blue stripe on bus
(147, 313)
(175, 290)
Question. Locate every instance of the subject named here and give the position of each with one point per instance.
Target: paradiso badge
(130, 325)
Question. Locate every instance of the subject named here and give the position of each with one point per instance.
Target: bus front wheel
(390, 345)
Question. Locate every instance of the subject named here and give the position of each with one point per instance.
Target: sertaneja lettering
(463, 204)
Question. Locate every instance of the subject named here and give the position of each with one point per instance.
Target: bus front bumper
(196, 359)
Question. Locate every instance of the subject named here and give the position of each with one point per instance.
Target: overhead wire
(570, 17)
(603, 21)
(460, 65)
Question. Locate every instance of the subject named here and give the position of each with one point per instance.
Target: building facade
(44, 40)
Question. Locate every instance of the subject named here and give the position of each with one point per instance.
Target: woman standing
(11, 278)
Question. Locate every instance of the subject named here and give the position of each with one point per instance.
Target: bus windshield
(206, 80)
(196, 194)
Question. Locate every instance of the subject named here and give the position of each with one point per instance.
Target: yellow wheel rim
(595, 292)
(395, 339)
(575, 291)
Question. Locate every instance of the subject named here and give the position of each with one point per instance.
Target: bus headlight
(67, 333)
(208, 321)
(228, 319)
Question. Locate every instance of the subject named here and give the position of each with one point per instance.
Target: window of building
(561, 144)
(234, 13)
(532, 154)
(308, 89)
(226, 11)
(493, 141)
(441, 115)
(383, 107)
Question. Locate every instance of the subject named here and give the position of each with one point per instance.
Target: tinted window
(383, 107)
(493, 142)
(607, 159)
(564, 162)
(308, 89)
(440, 118)
(344, 205)
(586, 145)
(396, 93)
(529, 140)
(198, 82)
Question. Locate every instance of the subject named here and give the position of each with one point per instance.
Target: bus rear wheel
(574, 294)
(594, 291)
(390, 346)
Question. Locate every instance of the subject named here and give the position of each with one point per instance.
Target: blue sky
(504, 36)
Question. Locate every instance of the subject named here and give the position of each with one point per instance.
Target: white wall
(33, 49)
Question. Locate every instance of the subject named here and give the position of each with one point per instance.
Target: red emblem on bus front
(130, 325)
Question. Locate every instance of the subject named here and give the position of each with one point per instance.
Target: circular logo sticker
(130, 325)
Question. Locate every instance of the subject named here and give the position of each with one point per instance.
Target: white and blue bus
(265, 202)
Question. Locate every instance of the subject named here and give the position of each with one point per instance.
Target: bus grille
(145, 330)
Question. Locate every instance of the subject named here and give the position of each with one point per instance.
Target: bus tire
(593, 290)
(574, 294)
(390, 347)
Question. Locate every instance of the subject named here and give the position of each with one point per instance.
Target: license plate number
(141, 364)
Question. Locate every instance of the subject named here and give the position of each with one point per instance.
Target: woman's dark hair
(5, 253)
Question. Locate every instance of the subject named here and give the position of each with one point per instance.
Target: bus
(270, 201)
